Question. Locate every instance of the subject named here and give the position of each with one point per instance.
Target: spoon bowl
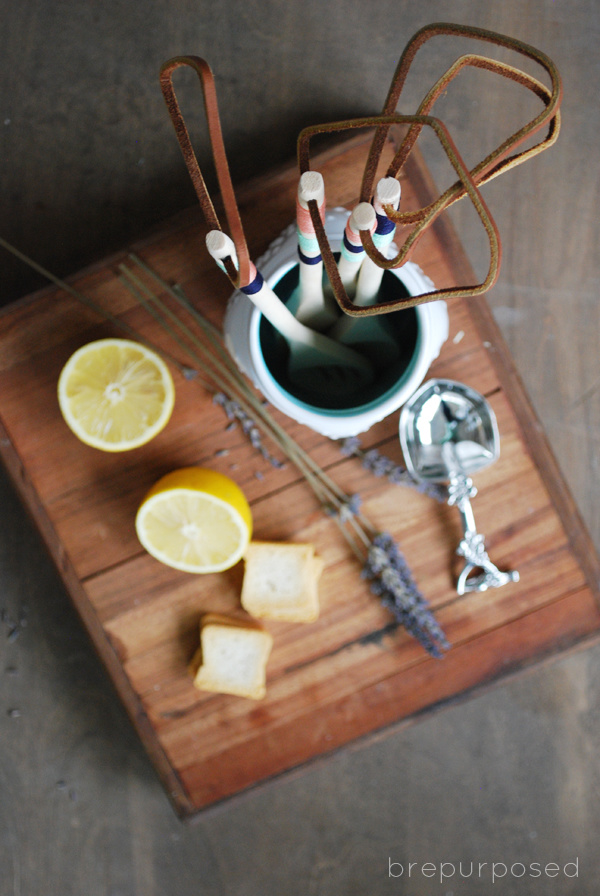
(448, 432)
(444, 413)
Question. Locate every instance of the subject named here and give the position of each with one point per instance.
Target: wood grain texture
(345, 676)
(90, 164)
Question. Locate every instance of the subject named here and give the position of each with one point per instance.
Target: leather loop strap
(444, 29)
(507, 71)
(466, 182)
(493, 165)
(240, 277)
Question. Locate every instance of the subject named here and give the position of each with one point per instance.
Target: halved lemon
(115, 394)
(196, 520)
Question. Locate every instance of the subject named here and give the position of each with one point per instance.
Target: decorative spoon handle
(472, 546)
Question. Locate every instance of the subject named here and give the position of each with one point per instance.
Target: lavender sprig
(214, 369)
(385, 468)
(235, 413)
(392, 582)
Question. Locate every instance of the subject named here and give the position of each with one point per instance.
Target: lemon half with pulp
(115, 394)
(195, 519)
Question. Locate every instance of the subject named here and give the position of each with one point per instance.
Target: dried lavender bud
(229, 406)
(354, 504)
(255, 437)
(377, 561)
(383, 467)
(392, 582)
(350, 446)
(376, 463)
(237, 415)
(350, 508)
(275, 462)
(346, 510)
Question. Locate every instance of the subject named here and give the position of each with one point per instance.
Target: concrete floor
(89, 161)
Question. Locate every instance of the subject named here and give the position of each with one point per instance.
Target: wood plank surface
(347, 675)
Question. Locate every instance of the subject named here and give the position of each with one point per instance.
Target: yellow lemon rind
(163, 557)
(214, 487)
(125, 445)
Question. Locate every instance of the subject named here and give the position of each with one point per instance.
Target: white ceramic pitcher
(421, 331)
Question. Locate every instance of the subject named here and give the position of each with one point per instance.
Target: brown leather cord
(445, 29)
(468, 182)
(492, 166)
(489, 168)
(465, 180)
(241, 276)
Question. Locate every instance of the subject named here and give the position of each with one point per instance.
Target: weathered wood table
(345, 676)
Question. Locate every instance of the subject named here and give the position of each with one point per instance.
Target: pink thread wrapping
(303, 219)
(353, 236)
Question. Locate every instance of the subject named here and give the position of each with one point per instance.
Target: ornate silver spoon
(448, 431)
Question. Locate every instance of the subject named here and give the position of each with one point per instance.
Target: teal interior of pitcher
(402, 326)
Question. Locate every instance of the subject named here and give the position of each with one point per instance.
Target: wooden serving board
(347, 675)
